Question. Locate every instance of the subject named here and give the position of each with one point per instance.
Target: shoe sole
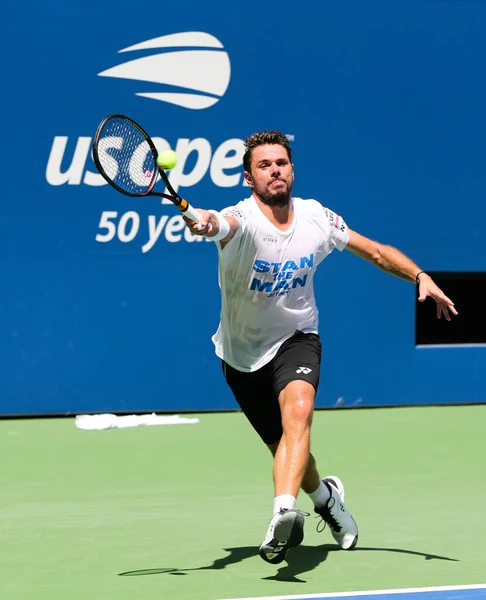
(291, 528)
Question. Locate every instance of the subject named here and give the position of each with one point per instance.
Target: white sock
(321, 495)
(283, 501)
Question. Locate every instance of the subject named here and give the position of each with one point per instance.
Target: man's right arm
(210, 225)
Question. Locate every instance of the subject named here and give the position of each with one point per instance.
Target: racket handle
(190, 212)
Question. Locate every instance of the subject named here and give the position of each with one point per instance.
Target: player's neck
(279, 215)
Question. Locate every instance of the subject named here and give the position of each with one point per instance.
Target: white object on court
(110, 421)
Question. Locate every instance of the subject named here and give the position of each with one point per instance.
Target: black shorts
(298, 358)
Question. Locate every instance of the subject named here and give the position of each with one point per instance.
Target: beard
(280, 198)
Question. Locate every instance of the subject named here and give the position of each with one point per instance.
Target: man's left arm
(392, 261)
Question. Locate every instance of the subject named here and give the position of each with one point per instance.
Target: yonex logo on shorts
(304, 370)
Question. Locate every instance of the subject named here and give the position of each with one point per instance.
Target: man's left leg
(296, 404)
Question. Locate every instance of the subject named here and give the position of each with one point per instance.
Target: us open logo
(193, 78)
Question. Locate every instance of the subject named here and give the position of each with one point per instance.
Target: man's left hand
(427, 288)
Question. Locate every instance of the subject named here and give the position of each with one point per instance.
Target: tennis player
(269, 247)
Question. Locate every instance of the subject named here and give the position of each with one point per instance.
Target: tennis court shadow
(306, 558)
(299, 560)
(426, 555)
(235, 555)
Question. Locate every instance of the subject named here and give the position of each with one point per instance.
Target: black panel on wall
(468, 292)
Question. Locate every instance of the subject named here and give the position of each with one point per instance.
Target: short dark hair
(263, 138)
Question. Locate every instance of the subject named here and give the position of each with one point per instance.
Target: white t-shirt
(266, 279)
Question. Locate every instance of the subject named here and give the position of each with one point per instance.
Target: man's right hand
(205, 227)
(209, 226)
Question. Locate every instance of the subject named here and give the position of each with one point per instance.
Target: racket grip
(191, 213)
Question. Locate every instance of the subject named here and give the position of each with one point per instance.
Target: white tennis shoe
(342, 525)
(285, 531)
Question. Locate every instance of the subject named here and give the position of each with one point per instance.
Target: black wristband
(417, 276)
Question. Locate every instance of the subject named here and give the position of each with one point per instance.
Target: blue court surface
(467, 592)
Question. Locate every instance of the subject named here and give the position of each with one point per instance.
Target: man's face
(272, 174)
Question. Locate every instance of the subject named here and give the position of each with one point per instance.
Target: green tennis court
(179, 511)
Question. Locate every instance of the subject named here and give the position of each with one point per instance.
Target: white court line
(440, 588)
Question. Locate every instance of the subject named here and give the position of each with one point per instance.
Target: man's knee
(297, 403)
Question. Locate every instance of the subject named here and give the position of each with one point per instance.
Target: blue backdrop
(109, 305)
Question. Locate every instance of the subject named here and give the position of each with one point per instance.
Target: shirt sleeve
(339, 236)
(238, 213)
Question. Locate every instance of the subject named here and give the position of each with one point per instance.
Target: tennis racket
(126, 157)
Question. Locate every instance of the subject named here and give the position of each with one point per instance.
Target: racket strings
(126, 157)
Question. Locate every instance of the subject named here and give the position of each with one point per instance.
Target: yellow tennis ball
(167, 160)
